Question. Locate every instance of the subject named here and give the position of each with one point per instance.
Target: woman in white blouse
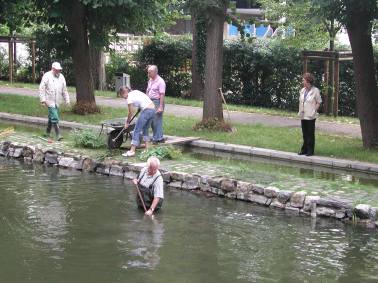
(309, 103)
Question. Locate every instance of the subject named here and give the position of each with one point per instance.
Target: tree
(358, 17)
(213, 15)
(94, 22)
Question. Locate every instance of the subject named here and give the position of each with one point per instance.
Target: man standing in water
(51, 89)
(156, 92)
(150, 184)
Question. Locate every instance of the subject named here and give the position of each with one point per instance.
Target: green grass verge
(197, 103)
(286, 139)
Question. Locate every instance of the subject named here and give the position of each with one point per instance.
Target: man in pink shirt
(156, 92)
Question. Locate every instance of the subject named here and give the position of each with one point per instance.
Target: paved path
(237, 117)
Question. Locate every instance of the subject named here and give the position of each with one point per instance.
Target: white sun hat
(56, 66)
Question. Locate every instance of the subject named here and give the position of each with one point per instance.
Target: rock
(38, 155)
(242, 196)
(175, 185)
(284, 196)
(258, 189)
(243, 187)
(166, 177)
(309, 201)
(51, 157)
(17, 152)
(373, 213)
(130, 175)
(228, 185)
(271, 192)
(178, 176)
(103, 169)
(291, 209)
(325, 211)
(205, 187)
(191, 182)
(260, 199)
(204, 179)
(275, 203)
(340, 214)
(65, 161)
(28, 151)
(215, 182)
(89, 165)
(214, 190)
(231, 195)
(334, 202)
(297, 199)
(116, 170)
(362, 211)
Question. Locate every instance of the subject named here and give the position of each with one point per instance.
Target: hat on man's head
(56, 66)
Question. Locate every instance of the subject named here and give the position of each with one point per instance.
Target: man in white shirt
(150, 183)
(138, 99)
(51, 91)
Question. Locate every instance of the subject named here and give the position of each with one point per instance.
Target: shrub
(172, 56)
(161, 152)
(122, 64)
(88, 139)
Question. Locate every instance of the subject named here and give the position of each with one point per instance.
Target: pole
(10, 55)
(33, 60)
(140, 197)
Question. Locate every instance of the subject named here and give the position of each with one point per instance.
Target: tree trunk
(359, 32)
(197, 83)
(212, 105)
(77, 27)
(98, 68)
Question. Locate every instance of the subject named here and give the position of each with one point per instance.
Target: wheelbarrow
(116, 132)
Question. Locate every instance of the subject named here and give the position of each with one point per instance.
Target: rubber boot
(48, 130)
(57, 132)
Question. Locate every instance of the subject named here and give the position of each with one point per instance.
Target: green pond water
(61, 225)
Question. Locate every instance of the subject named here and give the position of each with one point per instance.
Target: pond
(58, 224)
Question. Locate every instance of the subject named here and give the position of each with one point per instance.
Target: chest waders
(148, 194)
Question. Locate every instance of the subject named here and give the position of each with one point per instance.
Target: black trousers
(308, 132)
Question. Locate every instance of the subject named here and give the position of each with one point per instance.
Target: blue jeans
(157, 123)
(142, 125)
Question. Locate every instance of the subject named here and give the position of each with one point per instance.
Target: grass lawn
(286, 139)
(197, 103)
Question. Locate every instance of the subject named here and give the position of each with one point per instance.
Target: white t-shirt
(147, 181)
(138, 99)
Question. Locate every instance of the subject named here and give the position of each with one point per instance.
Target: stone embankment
(296, 202)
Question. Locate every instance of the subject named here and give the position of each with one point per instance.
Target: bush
(172, 56)
(88, 139)
(161, 152)
(121, 64)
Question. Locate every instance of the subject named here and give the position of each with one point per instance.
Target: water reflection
(142, 243)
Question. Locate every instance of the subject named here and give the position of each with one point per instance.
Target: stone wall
(296, 202)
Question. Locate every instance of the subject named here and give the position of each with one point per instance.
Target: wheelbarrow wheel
(118, 142)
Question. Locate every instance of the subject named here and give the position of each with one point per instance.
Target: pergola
(333, 57)
(12, 52)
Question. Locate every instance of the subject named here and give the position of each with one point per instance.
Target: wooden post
(10, 55)
(326, 82)
(33, 60)
(336, 88)
(15, 56)
(304, 65)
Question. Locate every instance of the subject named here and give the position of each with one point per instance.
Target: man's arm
(65, 94)
(42, 90)
(162, 95)
(129, 115)
(152, 207)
